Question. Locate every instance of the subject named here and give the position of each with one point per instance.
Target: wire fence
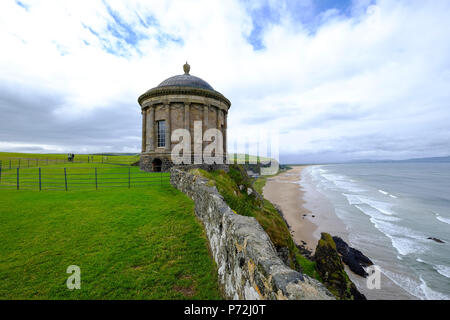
(14, 162)
(80, 178)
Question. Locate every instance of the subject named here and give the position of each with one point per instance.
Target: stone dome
(184, 84)
(186, 80)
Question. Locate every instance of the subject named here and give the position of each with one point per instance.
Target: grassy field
(27, 160)
(79, 176)
(129, 244)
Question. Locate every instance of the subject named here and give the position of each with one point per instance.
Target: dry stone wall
(248, 265)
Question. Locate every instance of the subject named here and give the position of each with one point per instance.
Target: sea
(390, 211)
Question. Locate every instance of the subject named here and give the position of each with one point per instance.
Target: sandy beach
(306, 220)
(308, 213)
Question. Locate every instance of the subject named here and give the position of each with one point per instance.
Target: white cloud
(356, 86)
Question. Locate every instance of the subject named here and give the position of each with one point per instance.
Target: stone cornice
(163, 91)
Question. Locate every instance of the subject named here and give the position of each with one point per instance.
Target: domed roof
(186, 80)
(184, 84)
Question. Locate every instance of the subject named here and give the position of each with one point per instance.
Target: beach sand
(308, 213)
(306, 221)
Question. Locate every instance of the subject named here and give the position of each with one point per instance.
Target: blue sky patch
(23, 5)
(123, 38)
(309, 13)
(122, 30)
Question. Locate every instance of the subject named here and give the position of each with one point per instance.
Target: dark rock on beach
(436, 239)
(352, 257)
(305, 251)
(331, 269)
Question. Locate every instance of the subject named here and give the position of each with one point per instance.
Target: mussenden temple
(179, 102)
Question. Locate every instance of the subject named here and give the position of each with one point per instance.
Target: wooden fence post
(65, 177)
(17, 178)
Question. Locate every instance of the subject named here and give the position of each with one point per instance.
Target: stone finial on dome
(186, 68)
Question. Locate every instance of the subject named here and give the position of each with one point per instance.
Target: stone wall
(248, 265)
(145, 161)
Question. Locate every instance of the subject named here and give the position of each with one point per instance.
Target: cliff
(249, 266)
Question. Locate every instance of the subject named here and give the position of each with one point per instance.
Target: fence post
(96, 185)
(40, 183)
(129, 178)
(17, 178)
(65, 177)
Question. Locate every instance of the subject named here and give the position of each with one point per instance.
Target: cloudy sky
(339, 80)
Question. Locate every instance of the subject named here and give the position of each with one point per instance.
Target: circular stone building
(176, 103)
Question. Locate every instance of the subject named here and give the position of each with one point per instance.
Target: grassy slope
(264, 212)
(129, 244)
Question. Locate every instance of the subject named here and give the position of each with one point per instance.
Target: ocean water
(389, 211)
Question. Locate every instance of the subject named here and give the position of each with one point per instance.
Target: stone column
(187, 127)
(205, 117)
(186, 115)
(168, 128)
(225, 114)
(151, 128)
(218, 111)
(217, 118)
(205, 121)
(144, 124)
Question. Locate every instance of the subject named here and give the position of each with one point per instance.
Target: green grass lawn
(142, 243)
(80, 176)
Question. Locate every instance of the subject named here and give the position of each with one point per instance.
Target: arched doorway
(156, 165)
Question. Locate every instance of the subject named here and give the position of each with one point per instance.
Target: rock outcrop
(352, 257)
(331, 270)
(248, 264)
(435, 239)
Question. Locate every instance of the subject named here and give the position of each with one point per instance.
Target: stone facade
(248, 264)
(179, 101)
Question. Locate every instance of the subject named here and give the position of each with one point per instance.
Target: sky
(338, 80)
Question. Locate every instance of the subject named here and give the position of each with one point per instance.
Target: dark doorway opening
(157, 164)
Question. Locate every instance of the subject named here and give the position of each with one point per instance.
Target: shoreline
(308, 213)
(306, 216)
